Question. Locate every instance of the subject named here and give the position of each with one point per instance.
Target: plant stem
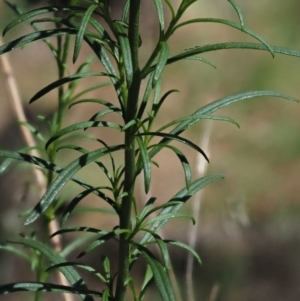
(130, 168)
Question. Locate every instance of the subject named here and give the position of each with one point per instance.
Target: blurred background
(248, 230)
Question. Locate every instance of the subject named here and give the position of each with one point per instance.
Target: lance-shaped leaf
(79, 37)
(171, 8)
(238, 11)
(39, 11)
(192, 119)
(99, 163)
(125, 51)
(101, 240)
(49, 166)
(146, 97)
(162, 60)
(82, 126)
(78, 265)
(146, 163)
(70, 273)
(106, 62)
(89, 89)
(216, 105)
(156, 106)
(171, 136)
(65, 80)
(231, 24)
(72, 205)
(40, 35)
(166, 217)
(147, 281)
(64, 176)
(231, 45)
(79, 229)
(160, 275)
(15, 251)
(186, 247)
(75, 244)
(162, 246)
(201, 59)
(160, 12)
(47, 287)
(125, 12)
(98, 101)
(183, 160)
(182, 196)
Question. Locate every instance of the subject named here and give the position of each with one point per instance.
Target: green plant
(115, 44)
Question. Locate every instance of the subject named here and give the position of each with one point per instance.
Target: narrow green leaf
(128, 125)
(160, 12)
(125, 12)
(47, 287)
(146, 97)
(64, 176)
(33, 130)
(231, 45)
(162, 246)
(70, 273)
(156, 105)
(183, 160)
(82, 126)
(176, 138)
(79, 229)
(39, 11)
(163, 206)
(146, 163)
(148, 277)
(225, 101)
(162, 60)
(105, 295)
(238, 11)
(40, 35)
(106, 266)
(101, 240)
(99, 163)
(166, 217)
(78, 265)
(75, 244)
(186, 247)
(160, 275)
(75, 201)
(125, 50)
(201, 59)
(79, 37)
(65, 80)
(15, 251)
(182, 196)
(89, 89)
(106, 62)
(216, 105)
(49, 166)
(171, 8)
(146, 208)
(192, 119)
(231, 24)
(98, 101)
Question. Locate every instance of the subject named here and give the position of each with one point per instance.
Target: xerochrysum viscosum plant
(116, 45)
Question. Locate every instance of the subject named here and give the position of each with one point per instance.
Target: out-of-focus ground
(248, 234)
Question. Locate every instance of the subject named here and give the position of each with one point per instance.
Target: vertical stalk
(129, 175)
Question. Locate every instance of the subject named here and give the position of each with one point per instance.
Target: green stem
(129, 174)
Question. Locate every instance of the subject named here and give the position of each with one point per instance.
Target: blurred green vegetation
(248, 232)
